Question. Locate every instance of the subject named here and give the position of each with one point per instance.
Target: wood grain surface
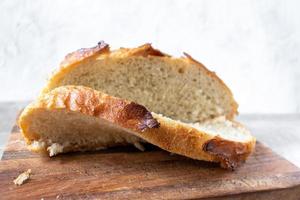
(126, 173)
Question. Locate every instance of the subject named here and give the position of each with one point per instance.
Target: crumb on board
(55, 149)
(22, 177)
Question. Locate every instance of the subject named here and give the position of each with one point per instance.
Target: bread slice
(180, 88)
(77, 118)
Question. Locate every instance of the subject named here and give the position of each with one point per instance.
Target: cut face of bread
(61, 130)
(180, 88)
(76, 118)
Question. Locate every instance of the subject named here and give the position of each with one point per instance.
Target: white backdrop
(253, 45)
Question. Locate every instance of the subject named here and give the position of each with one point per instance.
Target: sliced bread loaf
(77, 118)
(180, 88)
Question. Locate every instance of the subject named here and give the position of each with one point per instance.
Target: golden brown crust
(184, 140)
(170, 135)
(103, 48)
(84, 53)
(90, 102)
(144, 50)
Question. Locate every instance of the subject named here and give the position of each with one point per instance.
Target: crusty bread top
(90, 102)
(102, 51)
(166, 133)
(84, 53)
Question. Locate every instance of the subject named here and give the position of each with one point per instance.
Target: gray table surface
(280, 132)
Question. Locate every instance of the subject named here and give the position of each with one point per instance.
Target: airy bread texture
(180, 88)
(77, 118)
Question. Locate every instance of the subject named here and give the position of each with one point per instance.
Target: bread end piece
(69, 115)
(81, 119)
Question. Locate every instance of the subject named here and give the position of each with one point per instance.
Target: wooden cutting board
(126, 173)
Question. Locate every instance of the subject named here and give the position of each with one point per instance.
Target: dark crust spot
(134, 111)
(230, 154)
(84, 53)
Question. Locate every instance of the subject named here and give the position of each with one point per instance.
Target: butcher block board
(127, 173)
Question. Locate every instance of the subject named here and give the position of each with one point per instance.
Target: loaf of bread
(180, 88)
(77, 118)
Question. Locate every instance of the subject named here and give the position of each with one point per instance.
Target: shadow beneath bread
(123, 157)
